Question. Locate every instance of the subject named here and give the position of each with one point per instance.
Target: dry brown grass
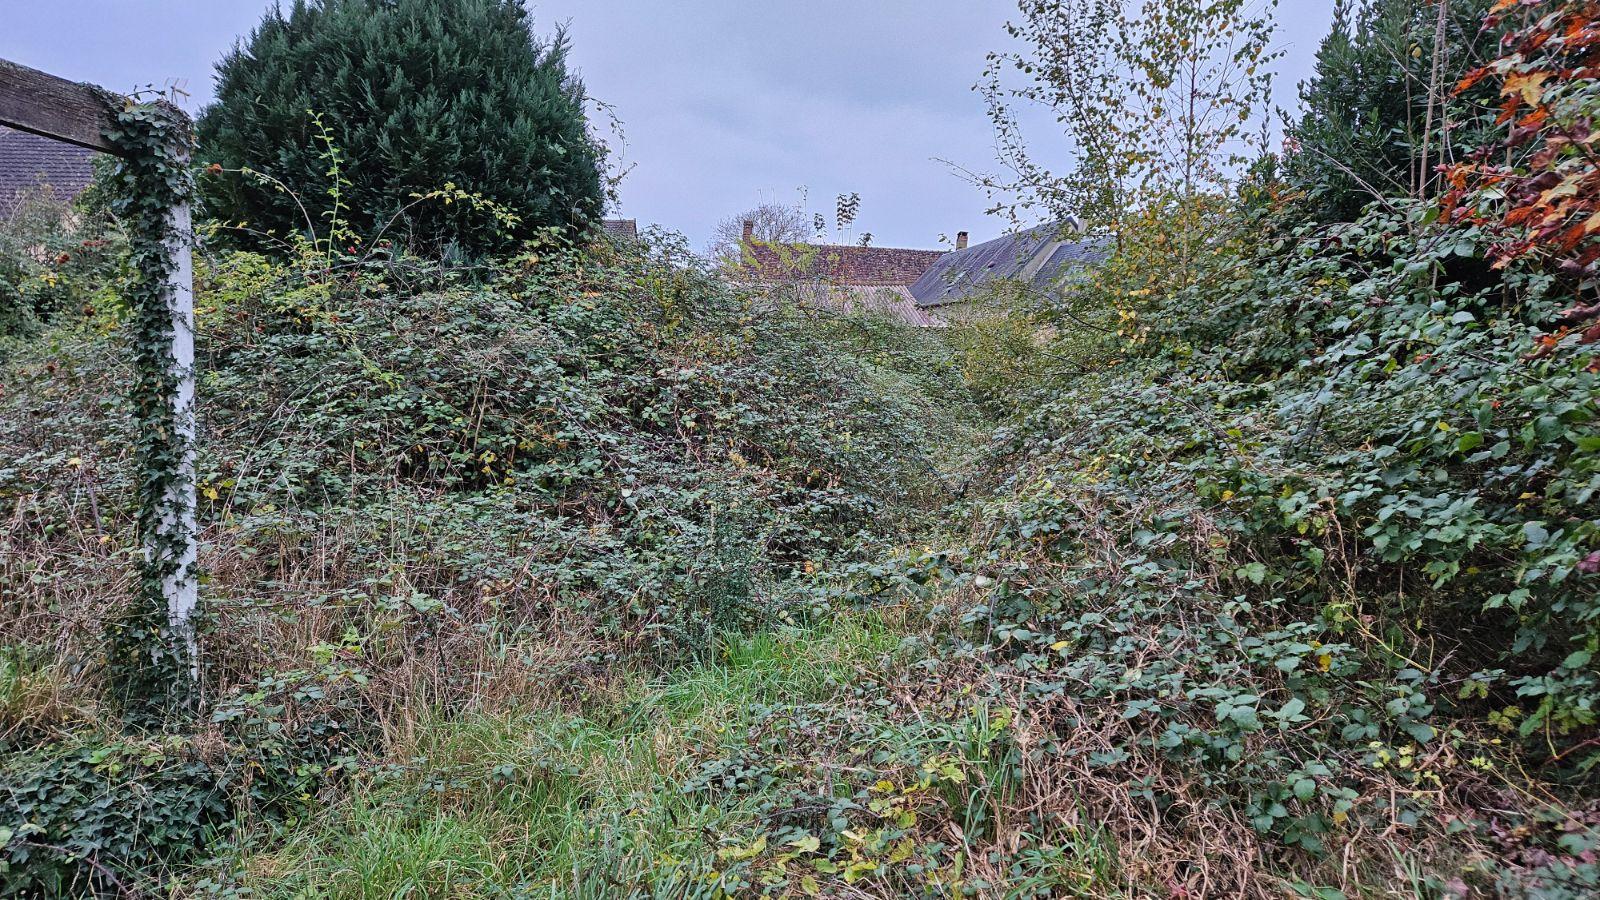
(498, 644)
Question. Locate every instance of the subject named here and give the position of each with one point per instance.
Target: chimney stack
(961, 240)
(749, 232)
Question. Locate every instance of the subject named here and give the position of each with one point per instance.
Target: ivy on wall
(151, 657)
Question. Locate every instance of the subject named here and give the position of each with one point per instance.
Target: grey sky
(725, 103)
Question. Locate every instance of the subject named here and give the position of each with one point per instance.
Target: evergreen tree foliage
(1365, 112)
(418, 96)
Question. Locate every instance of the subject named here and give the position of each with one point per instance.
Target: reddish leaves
(1538, 187)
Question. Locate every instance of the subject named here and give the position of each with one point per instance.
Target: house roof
(892, 301)
(29, 162)
(1038, 256)
(621, 228)
(836, 263)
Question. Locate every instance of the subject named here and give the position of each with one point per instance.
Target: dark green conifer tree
(416, 95)
(1365, 111)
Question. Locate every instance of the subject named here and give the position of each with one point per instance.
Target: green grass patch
(542, 803)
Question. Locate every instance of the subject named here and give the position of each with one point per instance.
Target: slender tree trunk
(1424, 178)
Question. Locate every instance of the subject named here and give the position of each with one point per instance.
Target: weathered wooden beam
(37, 102)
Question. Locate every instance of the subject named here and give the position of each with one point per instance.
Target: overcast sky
(725, 103)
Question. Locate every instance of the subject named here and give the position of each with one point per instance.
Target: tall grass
(545, 803)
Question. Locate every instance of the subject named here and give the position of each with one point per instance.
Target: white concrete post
(181, 588)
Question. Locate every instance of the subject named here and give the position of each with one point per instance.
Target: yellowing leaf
(902, 850)
(739, 853)
(858, 870)
(1530, 86)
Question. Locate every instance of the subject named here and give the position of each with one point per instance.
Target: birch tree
(1160, 102)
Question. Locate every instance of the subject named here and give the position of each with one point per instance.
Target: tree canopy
(381, 102)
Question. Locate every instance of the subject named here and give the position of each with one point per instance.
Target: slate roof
(29, 162)
(838, 264)
(1038, 256)
(621, 228)
(893, 301)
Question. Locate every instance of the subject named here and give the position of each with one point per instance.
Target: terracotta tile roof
(620, 228)
(836, 263)
(29, 162)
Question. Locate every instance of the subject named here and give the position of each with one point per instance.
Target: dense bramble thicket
(54, 262)
(578, 574)
(566, 465)
(1301, 541)
(1322, 541)
(418, 96)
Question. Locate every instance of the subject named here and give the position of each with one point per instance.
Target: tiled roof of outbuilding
(620, 228)
(893, 301)
(1038, 256)
(837, 263)
(29, 162)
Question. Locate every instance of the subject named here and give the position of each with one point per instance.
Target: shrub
(418, 95)
(56, 261)
(427, 487)
(1362, 130)
(95, 819)
(107, 815)
(605, 444)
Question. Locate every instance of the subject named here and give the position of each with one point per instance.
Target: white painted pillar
(182, 588)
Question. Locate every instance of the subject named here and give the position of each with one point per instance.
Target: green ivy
(150, 660)
(96, 819)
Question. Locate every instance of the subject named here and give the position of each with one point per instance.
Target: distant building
(841, 276)
(928, 288)
(1037, 260)
(35, 166)
(626, 229)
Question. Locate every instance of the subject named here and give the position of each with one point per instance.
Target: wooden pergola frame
(81, 114)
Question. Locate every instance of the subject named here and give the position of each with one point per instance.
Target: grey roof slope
(892, 301)
(1038, 256)
(29, 162)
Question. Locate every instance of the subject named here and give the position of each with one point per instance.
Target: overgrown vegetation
(154, 652)
(569, 465)
(53, 263)
(1265, 568)
(1378, 120)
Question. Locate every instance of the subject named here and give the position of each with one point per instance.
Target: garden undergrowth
(581, 573)
(437, 493)
(541, 802)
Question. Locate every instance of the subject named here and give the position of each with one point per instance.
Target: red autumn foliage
(1538, 187)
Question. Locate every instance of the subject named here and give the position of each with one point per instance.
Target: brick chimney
(961, 240)
(749, 232)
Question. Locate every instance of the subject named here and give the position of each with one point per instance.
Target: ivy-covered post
(156, 647)
(184, 591)
(175, 530)
(155, 657)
